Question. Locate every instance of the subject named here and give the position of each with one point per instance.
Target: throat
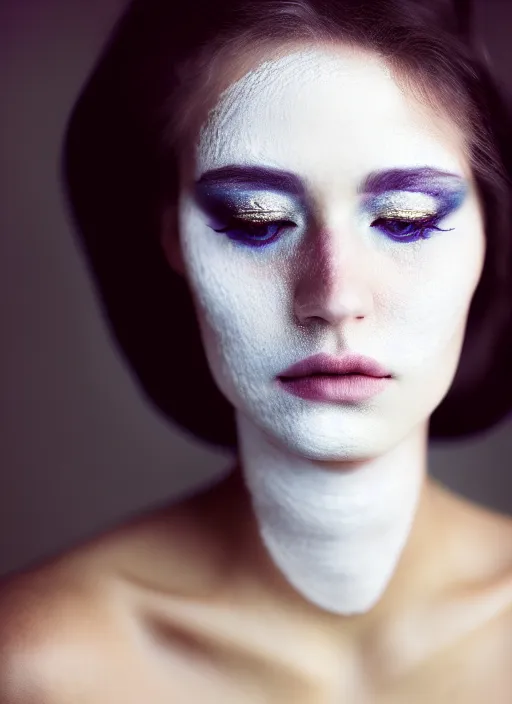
(336, 536)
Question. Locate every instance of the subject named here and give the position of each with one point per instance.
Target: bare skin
(183, 605)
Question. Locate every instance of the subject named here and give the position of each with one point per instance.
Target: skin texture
(334, 485)
(202, 600)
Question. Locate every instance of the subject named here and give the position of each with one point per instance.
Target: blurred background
(81, 449)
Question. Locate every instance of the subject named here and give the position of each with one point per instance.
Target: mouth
(323, 378)
(322, 365)
(326, 375)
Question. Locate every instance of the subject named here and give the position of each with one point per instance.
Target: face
(329, 212)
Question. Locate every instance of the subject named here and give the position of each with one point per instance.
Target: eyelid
(238, 198)
(243, 205)
(258, 216)
(404, 214)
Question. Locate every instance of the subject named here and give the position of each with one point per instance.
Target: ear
(170, 239)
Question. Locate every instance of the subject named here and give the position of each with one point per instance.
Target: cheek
(437, 294)
(241, 304)
(234, 298)
(241, 317)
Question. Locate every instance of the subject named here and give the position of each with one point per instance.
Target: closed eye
(409, 230)
(255, 233)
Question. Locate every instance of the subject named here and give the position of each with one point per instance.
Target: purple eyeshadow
(448, 189)
(227, 194)
(423, 179)
(251, 178)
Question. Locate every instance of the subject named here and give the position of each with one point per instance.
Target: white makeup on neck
(335, 535)
(329, 281)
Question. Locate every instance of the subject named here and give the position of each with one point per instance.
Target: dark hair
(120, 165)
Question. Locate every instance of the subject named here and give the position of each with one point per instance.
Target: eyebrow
(257, 177)
(424, 179)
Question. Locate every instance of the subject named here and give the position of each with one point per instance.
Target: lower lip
(352, 387)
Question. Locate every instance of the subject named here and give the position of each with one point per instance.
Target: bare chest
(175, 665)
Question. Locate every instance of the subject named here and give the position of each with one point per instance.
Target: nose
(332, 281)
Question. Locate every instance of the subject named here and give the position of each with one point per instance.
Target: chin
(327, 435)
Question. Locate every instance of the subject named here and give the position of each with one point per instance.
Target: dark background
(81, 450)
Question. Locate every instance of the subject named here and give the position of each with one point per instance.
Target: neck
(335, 531)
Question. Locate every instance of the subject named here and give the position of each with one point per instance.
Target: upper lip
(327, 364)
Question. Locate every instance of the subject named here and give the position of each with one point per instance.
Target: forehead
(327, 115)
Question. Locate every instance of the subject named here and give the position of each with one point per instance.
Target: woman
(298, 216)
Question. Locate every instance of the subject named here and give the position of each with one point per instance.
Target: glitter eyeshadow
(263, 195)
(223, 204)
(403, 206)
(421, 192)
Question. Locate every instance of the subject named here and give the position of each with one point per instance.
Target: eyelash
(423, 232)
(245, 237)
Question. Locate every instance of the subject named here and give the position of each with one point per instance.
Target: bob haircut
(120, 165)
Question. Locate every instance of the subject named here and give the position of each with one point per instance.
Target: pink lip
(326, 364)
(334, 379)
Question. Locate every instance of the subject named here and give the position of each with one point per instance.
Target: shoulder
(64, 620)
(53, 618)
(479, 538)
(473, 567)
(480, 544)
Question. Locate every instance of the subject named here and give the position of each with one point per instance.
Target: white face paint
(333, 281)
